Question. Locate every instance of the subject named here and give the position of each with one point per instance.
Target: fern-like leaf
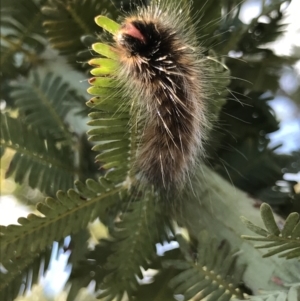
(115, 138)
(22, 273)
(63, 216)
(91, 268)
(141, 227)
(212, 274)
(37, 158)
(285, 242)
(115, 263)
(21, 36)
(45, 104)
(68, 22)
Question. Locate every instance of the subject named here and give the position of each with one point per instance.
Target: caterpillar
(162, 65)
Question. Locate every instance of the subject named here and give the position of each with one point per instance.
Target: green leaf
(285, 242)
(91, 268)
(38, 160)
(115, 263)
(105, 50)
(242, 147)
(211, 274)
(290, 224)
(268, 219)
(133, 240)
(22, 37)
(67, 23)
(107, 24)
(253, 228)
(104, 66)
(45, 103)
(113, 132)
(101, 82)
(63, 216)
(23, 273)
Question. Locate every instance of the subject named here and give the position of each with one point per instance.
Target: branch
(217, 208)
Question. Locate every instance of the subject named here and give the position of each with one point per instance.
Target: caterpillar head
(139, 38)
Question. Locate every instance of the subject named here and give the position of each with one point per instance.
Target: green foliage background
(45, 49)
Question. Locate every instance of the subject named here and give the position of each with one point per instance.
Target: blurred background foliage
(45, 47)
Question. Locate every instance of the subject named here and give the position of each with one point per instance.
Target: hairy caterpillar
(161, 65)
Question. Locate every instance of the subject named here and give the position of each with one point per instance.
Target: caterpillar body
(162, 65)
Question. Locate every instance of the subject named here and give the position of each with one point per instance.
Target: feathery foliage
(44, 103)
(138, 246)
(37, 158)
(111, 131)
(238, 148)
(211, 269)
(22, 38)
(90, 268)
(50, 152)
(75, 19)
(211, 272)
(239, 145)
(67, 214)
(285, 242)
(22, 272)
